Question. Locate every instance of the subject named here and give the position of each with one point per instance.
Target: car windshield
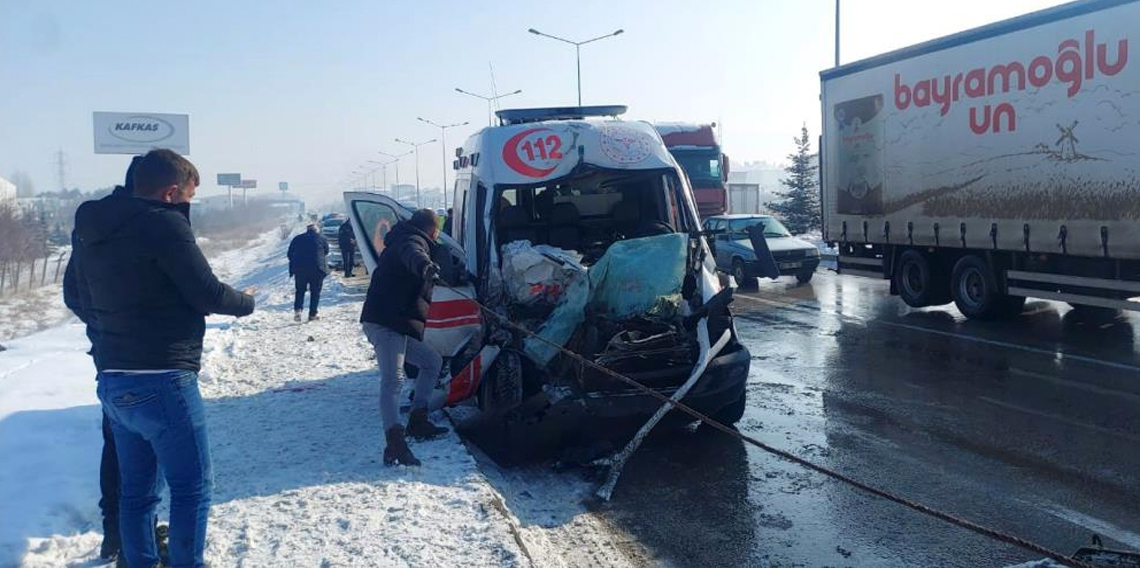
(772, 227)
(702, 166)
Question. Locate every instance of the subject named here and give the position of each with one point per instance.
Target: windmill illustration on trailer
(1068, 142)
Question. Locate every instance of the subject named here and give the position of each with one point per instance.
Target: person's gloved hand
(431, 272)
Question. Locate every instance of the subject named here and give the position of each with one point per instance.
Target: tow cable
(675, 404)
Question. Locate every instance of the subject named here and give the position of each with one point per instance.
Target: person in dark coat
(109, 461)
(144, 288)
(447, 223)
(394, 316)
(347, 241)
(308, 265)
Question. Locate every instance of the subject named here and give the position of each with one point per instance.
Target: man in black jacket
(109, 461)
(308, 265)
(347, 241)
(394, 316)
(142, 285)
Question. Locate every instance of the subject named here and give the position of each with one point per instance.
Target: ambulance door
(454, 319)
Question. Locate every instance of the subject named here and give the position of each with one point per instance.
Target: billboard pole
(231, 192)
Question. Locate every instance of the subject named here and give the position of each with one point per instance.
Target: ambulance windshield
(589, 210)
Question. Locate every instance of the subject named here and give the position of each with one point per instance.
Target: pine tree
(799, 209)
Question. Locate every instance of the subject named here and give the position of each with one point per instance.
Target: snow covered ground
(29, 311)
(296, 442)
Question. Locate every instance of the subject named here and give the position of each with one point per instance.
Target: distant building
(7, 192)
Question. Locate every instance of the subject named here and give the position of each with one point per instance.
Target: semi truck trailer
(992, 165)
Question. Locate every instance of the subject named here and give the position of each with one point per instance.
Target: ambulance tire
(732, 413)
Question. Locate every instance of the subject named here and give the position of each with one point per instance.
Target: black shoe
(420, 428)
(396, 450)
(112, 545)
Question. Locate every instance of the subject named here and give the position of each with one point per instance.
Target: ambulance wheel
(732, 413)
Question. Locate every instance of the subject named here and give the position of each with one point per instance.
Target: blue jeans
(158, 421)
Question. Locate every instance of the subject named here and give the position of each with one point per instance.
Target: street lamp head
(534, 31)
(619, 32)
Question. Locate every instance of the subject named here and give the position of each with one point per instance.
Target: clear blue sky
(307, 91)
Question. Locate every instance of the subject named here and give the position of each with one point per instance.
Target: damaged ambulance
(580, 227)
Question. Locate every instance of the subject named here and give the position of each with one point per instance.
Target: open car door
(455, 322)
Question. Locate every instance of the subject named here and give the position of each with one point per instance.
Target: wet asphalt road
(1030, 426)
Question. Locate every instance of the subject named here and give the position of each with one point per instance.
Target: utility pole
(416, 148)
(61, 169)
(443, 149)
(837, 33)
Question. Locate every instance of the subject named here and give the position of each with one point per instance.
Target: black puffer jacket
(398, 295)
(138, 280)
(345, 237)
(308, 255)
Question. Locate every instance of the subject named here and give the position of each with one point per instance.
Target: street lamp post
(395, 160)
(416, 147)
(490, 102)
(577, 51)
(443, 148)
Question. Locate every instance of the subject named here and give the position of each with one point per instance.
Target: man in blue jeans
(146, 288)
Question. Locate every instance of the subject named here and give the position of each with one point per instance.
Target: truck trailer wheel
(918, 282)
(976, 293)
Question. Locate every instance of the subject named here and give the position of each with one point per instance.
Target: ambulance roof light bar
(526, 115)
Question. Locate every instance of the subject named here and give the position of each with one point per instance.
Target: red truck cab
(697, 151)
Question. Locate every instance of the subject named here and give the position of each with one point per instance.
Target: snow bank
(296, 441)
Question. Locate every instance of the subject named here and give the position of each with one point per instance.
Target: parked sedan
(734, 254)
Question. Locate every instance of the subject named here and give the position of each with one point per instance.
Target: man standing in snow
(109, 461)
(146, 287)
(394, 314)
(308, 265)
(347, 241)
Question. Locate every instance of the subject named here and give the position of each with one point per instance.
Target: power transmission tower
(61, 169)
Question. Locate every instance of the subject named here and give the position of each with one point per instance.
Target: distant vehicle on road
(992, 165)
(697, 151)
(733, 249)
(331, 226)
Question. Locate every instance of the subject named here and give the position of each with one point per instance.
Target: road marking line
(1075, 384)
(1095, 525)
(1051, 353)
(1061, 419)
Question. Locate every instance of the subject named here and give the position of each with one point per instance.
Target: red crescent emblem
(514, 161)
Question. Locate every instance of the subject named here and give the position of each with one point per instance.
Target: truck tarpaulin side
(1009, 137)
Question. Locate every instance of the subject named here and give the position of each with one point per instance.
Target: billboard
(232, 180)
(248, 184)
(140, 132)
